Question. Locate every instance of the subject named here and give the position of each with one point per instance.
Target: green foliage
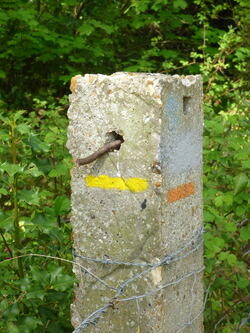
(44, 43)
(36, 292)
(226, 183)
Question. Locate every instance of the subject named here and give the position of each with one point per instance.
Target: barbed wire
(196, 242)
(191, 321)
(93, 318)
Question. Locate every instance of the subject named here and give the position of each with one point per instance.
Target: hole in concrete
(144, 204)
(186, 104)
(113, 136)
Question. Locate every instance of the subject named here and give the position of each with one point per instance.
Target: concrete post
(137, 209)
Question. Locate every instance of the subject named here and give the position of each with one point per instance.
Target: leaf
(245, 233)
(3, 191)
(61, 205)
(231, 227)
(228, 199)
(213, 245)
(6, 221)
(4, 135)
(4, 305)
(219, 201)
(227, 329)
(242, 283)
(241, 182)
(44, 221)
(33, 171)
(216, 305)
(231, 259)
(240, 210)
(39, 275)
(18, 115)
(2, 74)
(55, 272)
(180, 4)
(108, 28)
(11, 169)
(36, 144)
(223, 256)
(86, 29)
(44, 164)
(169, 53)
(31, 197)
(23, 128)
(37, 293)
(54, 233)
(31, 323)
(246, 164)
(63, 283)
(14, 310)
(12, 328)
(61, 169)
(208, 217)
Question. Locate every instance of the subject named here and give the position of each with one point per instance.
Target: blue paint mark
(172, 110)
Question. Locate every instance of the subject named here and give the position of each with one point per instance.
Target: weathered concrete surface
(160, 119)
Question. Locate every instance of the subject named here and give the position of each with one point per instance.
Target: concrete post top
(147, 80)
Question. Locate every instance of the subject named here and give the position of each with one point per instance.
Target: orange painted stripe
(180, 192)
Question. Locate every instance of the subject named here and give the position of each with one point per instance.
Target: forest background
(42, 45)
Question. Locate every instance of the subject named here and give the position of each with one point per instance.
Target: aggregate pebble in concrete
(160, 119)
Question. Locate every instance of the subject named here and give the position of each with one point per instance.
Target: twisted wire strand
(93, 318)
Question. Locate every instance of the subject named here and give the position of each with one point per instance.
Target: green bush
(36, 292)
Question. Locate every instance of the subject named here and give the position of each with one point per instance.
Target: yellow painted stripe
(108, 183)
